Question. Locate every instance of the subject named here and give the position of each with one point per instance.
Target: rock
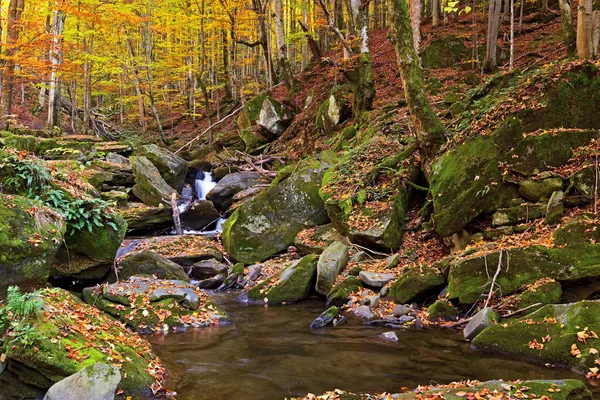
(185, 250)
(315, 240)
(45, 358)
(333, 112)
(222, 194)
(546, 291)
(147, 304)
(229, 283)
(150, 187)
(373, 301)
(243, 197)
(444, 52)
(482, 320)
(340, 293)
(251, 112)
(389, 336)
(149, 263)
(374, 279)
(384, 291)
(140, 216)
(332, 261)
(518, 214)
(254, 272)
(274, 116)
(564, 323)
(326, 318)
(568, 389)
(30, 238)
(96, 382)
(358, 257)
(115, 197)
(401, 310)
(392, 261)
(207, 269)
(585, 182)
(212, 283)
(555, 208)
(172, 168)
(442, 311)
(199, 216)
(534, 190)
(268, 223)
(115, 158)
(405, 319)
(292, 285)
(364, 312)
(417, 284)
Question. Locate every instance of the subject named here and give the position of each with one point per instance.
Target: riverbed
(269, 352)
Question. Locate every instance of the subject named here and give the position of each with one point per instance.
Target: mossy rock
(293, 284)
(269, 222)
(444, 52)
(253, 140)
(417, 283)
(30, 236)
(442, 311)
(150, 187)
(334, 111)
(568, 389)
(340, 293)
(140, 216)
(315, 240)
(172, 168)
(251, 112)
(60, 347)
(546, 293)
(562, 322)
(149, 263)
(535, 190)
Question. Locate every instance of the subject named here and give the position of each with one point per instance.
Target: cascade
(204, 184)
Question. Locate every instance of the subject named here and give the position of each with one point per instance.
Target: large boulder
(222, 194)
(268, 223)
(274, 117)
(147, 305)
(335, 110)
(96, 382)
(315, 240)
(141, 216)
(150, 187)
(332, 261)
(251, 112)
(149, 263)
(558, 334)
(172, 168)
(61, 335)
(444, 52)
(185, 250)
(417, 283)
(293, 284)
(30, 236)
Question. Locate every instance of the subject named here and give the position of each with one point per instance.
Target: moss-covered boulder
(544, 291)
(222, 194)
(293, 284)
(444, 52)
(341, 292)
(30, 236)
(558, 334)
(335, 110)
(150, 187)
(568, 389)
(251, 112)
(147, 305)
(442, 311)
(141, 216)
(535, 190)
(149, 263)
(269, 222)
(417, 283)
(172, 168)
(62, 335)
(331, 263)
(315, 240)
(274, 117)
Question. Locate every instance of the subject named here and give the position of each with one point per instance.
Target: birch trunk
(56, 58)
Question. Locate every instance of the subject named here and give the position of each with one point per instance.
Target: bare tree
(568, 32)
(13, 30)
(56, 59)
(491, 62)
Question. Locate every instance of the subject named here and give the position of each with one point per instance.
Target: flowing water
(204, 184)
(270, 353)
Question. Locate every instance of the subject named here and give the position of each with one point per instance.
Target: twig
(510, 314)
(418, 187)
(459, 323)
(369, 250)
(209, 128)
(487, 301)
(542, 59)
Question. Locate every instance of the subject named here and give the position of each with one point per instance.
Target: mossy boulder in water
(172, 168)
(293, 284)
(67, 335)
(340, 293)
(149, 263)
(30, 236)
(147, 305)
(150, 187)
(557, 334)
(269, 222)
(417, 283)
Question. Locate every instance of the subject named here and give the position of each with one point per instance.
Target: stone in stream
(401, 310)
(149, 263)
(222, 194)
(229, 283)
(364, 312)
(207, 269)
(172, 168)
(150, 187)
(331, 262)
(442, 311)
(96, 382)
(212, 283)
(389, 336)
(417, 283)
(340, 293)
(375, 279)
(326, 318)
(199, 216)
(482, 320)
(140, 216)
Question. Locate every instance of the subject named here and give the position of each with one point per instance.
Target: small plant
(17, 315)
(483, 192)
(26, 175)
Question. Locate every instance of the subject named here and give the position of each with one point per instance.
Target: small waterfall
(204, 184)
(219, 227)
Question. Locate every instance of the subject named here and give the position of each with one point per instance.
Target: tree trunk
(416, 7)
(137, 82)
(429, 131)
(568, 32)
(435, 12)
(595, 32)
(284, 64)
(492, 35)
(56, 59)
(15, 9)
(584, 30)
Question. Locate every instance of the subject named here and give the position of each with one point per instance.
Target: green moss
(238, 269)
(444, 52)
(442, 311)
(417, 283)
(251, 112)
(547, 293)
(340, 293)
(102, 242)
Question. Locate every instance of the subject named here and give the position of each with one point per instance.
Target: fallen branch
(487, 301)
(510, 314)
(209, 128)
(368, 250)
